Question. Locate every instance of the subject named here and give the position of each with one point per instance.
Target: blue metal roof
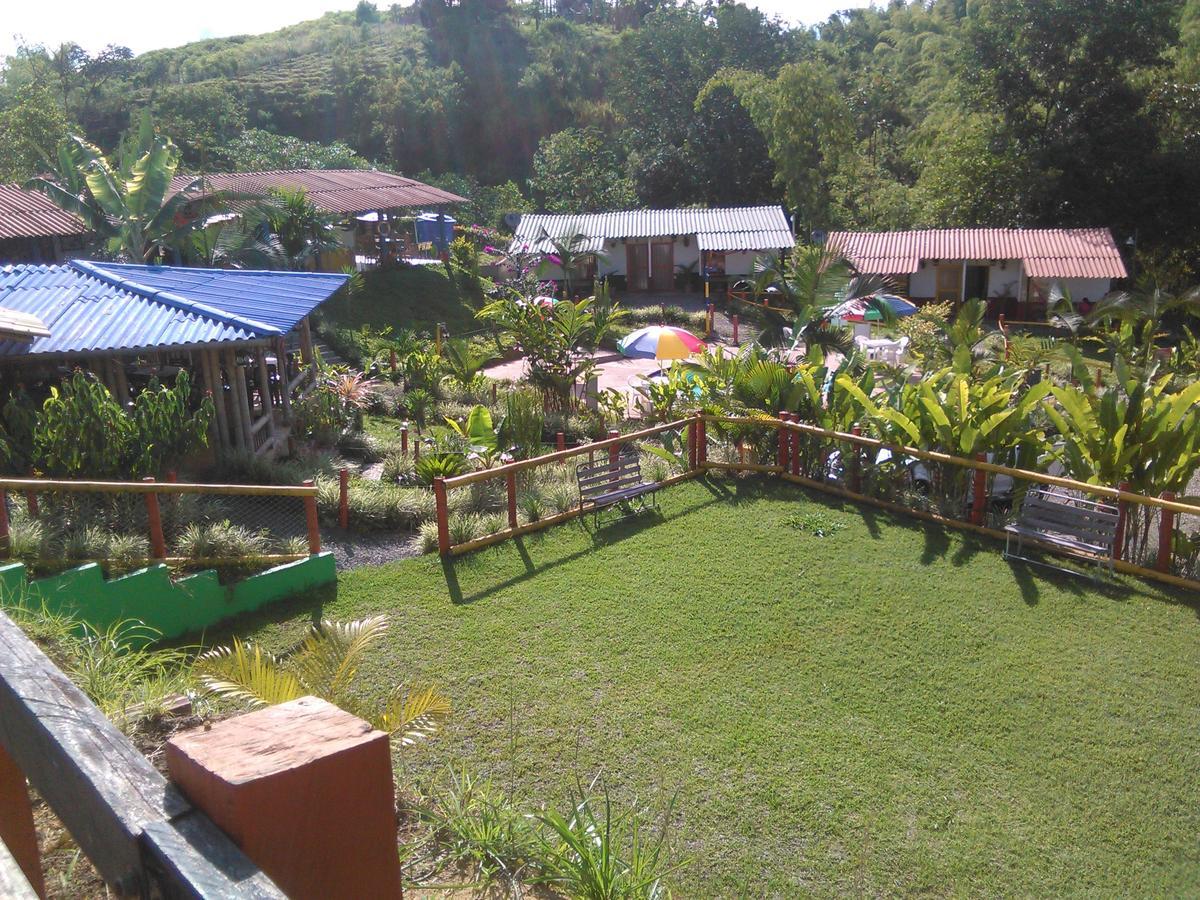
(92, 307)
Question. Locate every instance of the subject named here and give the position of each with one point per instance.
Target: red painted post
(17, 830)
(1166, 534)
(614, 452)
(855, 461)
(734, 318)
(979, 506)
(172, 476)
(5, 542)
(416, 451)
(1122, 519)
(493, 392)
(443, 515)
(158, 543)
(560, 442)
(344, 497)
(693, 435)
(512, 499)
(310, 517)
(404, 441)
(781, 435)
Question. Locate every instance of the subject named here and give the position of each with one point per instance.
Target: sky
(129, 23)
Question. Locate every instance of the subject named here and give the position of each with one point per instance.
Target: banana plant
(325, 665)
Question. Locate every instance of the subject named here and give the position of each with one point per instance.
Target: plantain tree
(128, 200)
(324, 665)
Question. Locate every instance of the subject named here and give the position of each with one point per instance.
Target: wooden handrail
(981, 465)
(534, 462)
(141, 833)
(46, 485)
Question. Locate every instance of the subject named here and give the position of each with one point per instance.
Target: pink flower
(554, 259)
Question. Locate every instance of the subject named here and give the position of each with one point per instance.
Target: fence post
(5, 542)
(1166, 533)
(158, 543)
(855, 461)
(794, 445)
(734, 319)
(560, 441)
(1122, 519)
(693, 434)
(437, 338)
(443, 515)
(344, 497)
(393, 361)
(310, 517)
(512, 499)
(31, 500)
(979, 506)
(17, 830)
(702, 445)
(404, 440)
(781, 435)
(614, 452)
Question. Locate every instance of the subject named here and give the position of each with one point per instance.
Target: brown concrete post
(310, 520)
(979, 506)
(693, 442)
(734, 319)
(443, 515)
(305, 790)
(1166, 534)
(344, 497)
(404, 441)
(511, 485)
(614, 452)
(1122, 522)
(17, 831)
(158, 543)
(560, 441)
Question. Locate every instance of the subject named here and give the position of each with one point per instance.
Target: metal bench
(609, 484)
(1086, 528)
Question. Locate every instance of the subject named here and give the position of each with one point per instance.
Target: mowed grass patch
(884, 707)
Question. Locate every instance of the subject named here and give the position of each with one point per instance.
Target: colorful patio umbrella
(859, 309)
(660, 342)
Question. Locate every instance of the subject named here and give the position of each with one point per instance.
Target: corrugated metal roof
(735, 228)
(1045, 252)
(349, 191)
(19, 326)
(92, 307)
(25, 214)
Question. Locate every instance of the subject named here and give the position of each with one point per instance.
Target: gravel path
(354, 550)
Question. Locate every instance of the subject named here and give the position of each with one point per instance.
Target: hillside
(938, 114)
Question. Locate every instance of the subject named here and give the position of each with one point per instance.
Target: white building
(650, 248)
(1012, 268)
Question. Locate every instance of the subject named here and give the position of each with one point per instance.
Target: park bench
(608, 484)
(1085, 528)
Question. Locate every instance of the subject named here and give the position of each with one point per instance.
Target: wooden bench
(606, 484)
(1085, 528)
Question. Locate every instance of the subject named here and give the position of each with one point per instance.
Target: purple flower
(489, 249)
(554, 259)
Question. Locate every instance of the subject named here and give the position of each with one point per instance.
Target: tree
(304, 232)
(255, 150)
(577, 170)
(30, 129)
(128, 202)
(204, 117)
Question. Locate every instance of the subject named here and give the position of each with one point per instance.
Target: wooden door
(949, 283)
(662, 266)
(637, 267)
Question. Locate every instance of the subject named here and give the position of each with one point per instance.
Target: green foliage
(202, 118)
(524, 421)
(578, 171)
(31, 125)
(439, 464)
(462, 361)
(487, 204)
(255, 150)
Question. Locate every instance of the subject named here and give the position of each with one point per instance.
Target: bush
(466, 527)
(523, 422)
(221, 540)
(440, 464)
(375, 506)
(398, 468)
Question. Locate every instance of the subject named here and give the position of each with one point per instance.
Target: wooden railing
(142, 835)
(859, 449)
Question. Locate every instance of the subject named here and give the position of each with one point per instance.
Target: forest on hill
(940, 113)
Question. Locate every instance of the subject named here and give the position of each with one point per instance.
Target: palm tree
(325, 665)
(569, 253)
(128, 201)
(303, 230)
(810, 281)
(1144, 310)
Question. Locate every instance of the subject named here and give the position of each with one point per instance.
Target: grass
(416, 297)
(885, 708)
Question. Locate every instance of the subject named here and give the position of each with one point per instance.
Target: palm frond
(413, 715)
(247, 673)
(329, 657)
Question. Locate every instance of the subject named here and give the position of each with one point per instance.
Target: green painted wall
(149, 595)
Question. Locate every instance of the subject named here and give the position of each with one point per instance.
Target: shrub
(466, 527)
(375, 506)
(419, 404)
(444, 464)
(524, 422)
(563, 497)
(532, 506)
(29, 540)
(427, 537)
(221, 540)
(398, 468)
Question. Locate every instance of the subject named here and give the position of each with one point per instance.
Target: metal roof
(349, 191)
(26, 214)
(735, 228)
(21, 326)
(1045, 252)
(93, 307)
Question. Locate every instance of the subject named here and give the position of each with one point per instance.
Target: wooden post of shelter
(211, 365)
(281, 372)
(265, 405)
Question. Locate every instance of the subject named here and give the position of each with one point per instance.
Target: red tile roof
(1045, 252)
(27, 214)
(333, 190)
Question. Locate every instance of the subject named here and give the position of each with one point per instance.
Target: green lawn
(889, 708)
